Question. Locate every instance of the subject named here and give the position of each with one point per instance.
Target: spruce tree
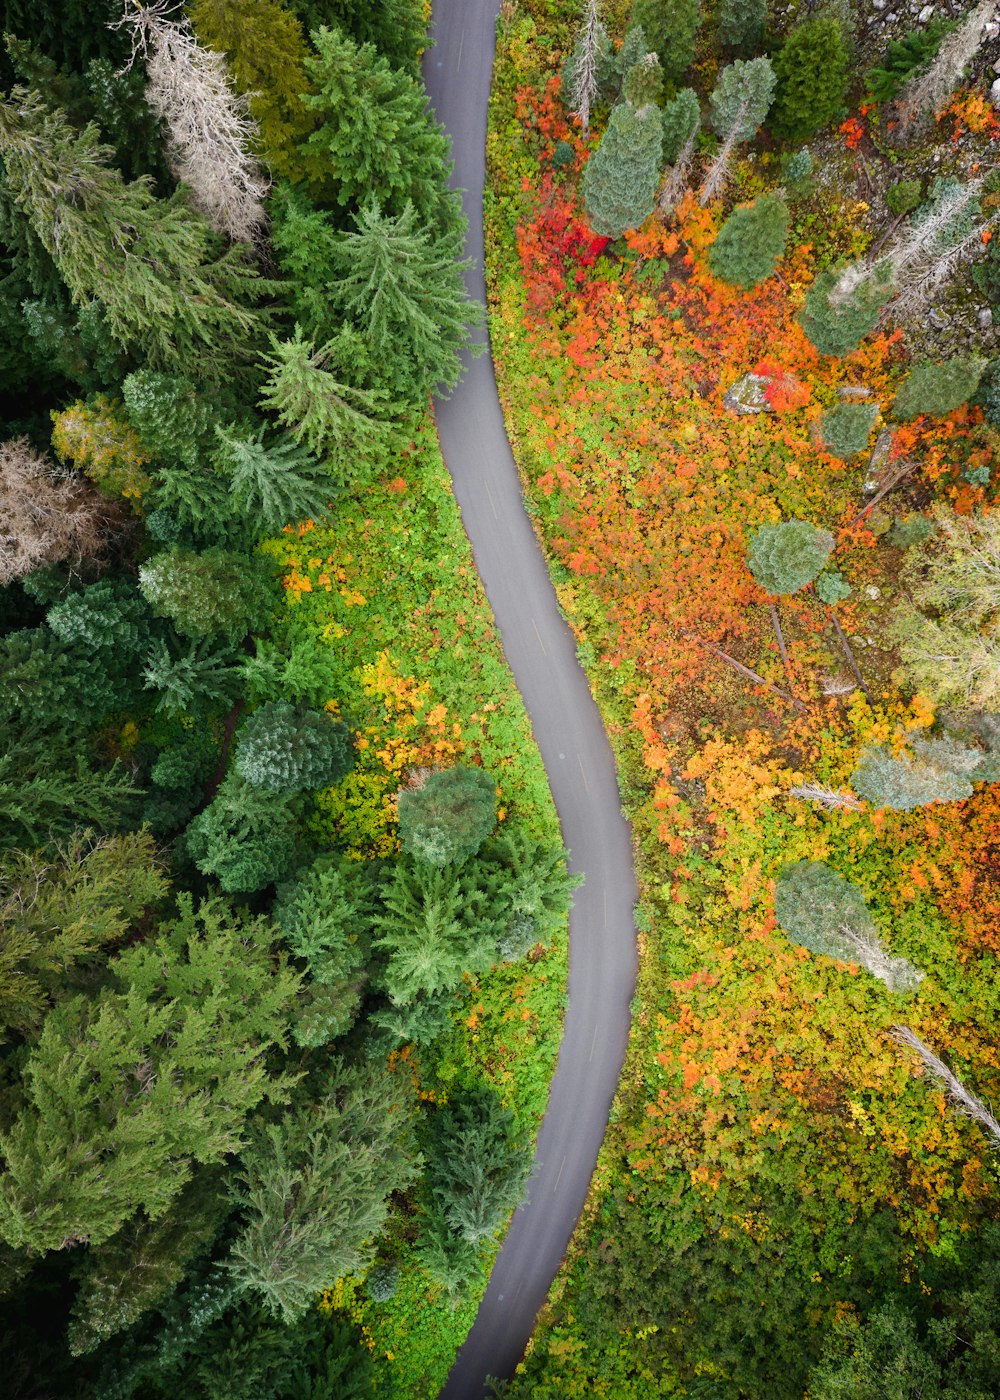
(938, 389)
(155, 266)
(272, 484)
(786, 558)
(620, 178)
(938, 770)
(402, 286)
(350, 429)
(670, 27)
(313, 1189)
(200, 676)
(740, 25)
(681, 119)
(739, 102)
(107, 614)
(843, 306)
(449, 816)
(175, 423)
(750, 242)
(375, 136)
(813, 72)
(126, 1091)
(49, 787)
(477, 1164)
(212, 593)
(245, 837)
(395, 27)
(287, 748)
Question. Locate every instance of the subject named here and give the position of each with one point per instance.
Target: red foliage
(556, 246)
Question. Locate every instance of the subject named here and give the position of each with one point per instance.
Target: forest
(283, 904)
(744, 279)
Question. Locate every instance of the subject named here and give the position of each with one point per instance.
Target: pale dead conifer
(928, 91)
(826, 796)
(47, 516)
(585, 77)
(957, 1094)
(211, 133)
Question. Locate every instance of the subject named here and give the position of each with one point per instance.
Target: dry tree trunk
(955, 1091)
(585, 78)
(825, 796)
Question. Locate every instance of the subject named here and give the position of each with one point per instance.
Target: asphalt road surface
(569, 732)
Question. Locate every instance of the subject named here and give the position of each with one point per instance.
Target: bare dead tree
(47, 515)
(851, 659)
(957, 1094)
(210, 131)
(920, 289)
(718, 172)
(926, 92)
(898, 974)
(826, 797)
(585, 76)
(675, 180)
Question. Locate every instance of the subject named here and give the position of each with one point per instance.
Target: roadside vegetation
(743, 285)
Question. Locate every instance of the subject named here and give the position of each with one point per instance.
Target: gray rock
(937, 319)
(925, 14)
(985, 318)
(747, 395)
(854, 391)
(995, 93)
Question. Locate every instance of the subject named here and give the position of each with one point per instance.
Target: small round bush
(909, 530)
(383, 1276)
(832, 587)
(786, 558)
(845, 429)
(449, 816)
(938, 389)
(903, 196)
(750, 242)
(287, 748)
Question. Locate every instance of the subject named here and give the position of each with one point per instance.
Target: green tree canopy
(937, 389)
(477, 1163)
(620, 178)
(813, 72)
(449, 816)
(841, 307)
(126, 1091)
(750, 242)
(937, 770)
(670, 28)
(287, 748)
(215, 592)
(845, 429)
(245, 837)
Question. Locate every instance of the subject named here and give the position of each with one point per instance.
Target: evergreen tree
(153, 265)
(845, 429)
(477, 1163)
(144, 1261)
(61, 910)
(740, 25)
(786, 558)
(49, 788)
(107, 614)
(126, 1091)
(245, 837)
(739, 103)
(313, 1189)
(266, 54)
(326, 917)
(938, 770)
(750, 242)
(395, 27)
(402, 286)
(349, 428)
(200, 676)
(422, 931)
(842, 307)
(938, 389)
(643, 86)
(670, 27)
(825, 913)
(620, 178)
(287, 748)
(947, 624)
(272, 485)
(175, 423)
(681, 120)
(813, 72)
(527, 892)
(212, 593)
(375, 137)
(449, 816)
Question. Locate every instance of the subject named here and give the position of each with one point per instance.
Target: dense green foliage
(670, 28)
(750, 242)
(448, 816)
(813, 72)
(846, 428)
(937, 389)
(619, 185)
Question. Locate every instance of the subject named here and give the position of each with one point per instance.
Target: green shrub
(937, 771)
(750, 242)
(681, 119)
(903, 57)
(813, 72)
(835, 317)
(846, 428)
(785, 558)
(832, 587)
(903, 196)
(383, 1276)
(909, 530)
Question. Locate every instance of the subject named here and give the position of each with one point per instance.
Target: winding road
(542, 655)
